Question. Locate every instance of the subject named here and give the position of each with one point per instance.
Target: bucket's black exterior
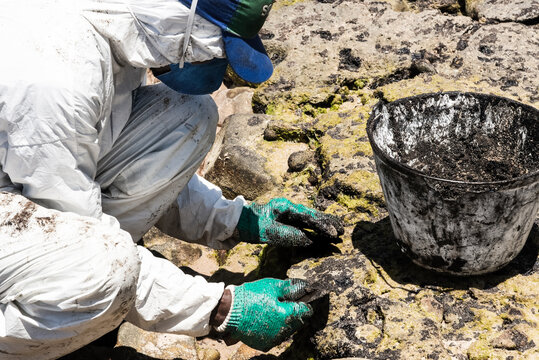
(462, 228)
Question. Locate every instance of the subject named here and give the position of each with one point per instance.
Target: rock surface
(328, 75)
(157, 345)
(382, 306)
(247, 165)
(525, 11)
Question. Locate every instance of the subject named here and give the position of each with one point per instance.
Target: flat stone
(156, 345)
(198, 258)
(504, 10)
(383, 44)
(446, 6)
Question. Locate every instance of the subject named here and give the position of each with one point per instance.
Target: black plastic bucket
(460, 174)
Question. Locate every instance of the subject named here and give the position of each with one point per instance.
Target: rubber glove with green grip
(264, 312)
(283, 223)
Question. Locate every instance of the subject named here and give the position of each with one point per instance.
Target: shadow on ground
(274, 262)
(377, 242)
(103, 349)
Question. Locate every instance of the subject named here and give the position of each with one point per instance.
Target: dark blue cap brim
(248, 58)
(196, 79)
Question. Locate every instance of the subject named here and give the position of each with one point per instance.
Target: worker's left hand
(266, 312)
(283, 223)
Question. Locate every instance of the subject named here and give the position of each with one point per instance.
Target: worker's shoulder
(54, 52)
(47, 33)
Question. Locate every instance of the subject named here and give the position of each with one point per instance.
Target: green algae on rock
(421, 314)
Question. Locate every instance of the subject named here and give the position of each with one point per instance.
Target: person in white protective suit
(91, 159)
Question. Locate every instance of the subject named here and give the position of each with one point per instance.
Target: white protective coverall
(101, 159)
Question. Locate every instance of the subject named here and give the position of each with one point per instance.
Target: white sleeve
(170, 301)
(203, 215)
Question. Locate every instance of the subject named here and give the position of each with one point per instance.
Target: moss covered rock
(381, 306)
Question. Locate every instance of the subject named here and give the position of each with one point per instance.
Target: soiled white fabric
(76, 137)
(53, 300)
(68, 88)
(49, 292)
(153, 159)
(215, 228)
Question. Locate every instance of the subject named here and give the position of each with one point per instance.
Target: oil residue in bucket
(460, 174)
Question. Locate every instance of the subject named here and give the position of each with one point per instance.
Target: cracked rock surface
(382, 306)
(524, 11)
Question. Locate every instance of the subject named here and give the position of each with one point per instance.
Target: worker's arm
(170, 301)
(203, 215)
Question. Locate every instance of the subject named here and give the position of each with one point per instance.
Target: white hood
(140, 37)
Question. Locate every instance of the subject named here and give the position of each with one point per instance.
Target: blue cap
(240, 22)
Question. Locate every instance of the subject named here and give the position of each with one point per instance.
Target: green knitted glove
(264, 312)
(283, 223)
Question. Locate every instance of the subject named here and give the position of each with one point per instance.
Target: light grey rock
(526, 11)
(156, 345)
(239, 169)
(373, 42)
(445, 6)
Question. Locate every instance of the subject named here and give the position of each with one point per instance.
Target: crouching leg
(65, 280)
(161, 147)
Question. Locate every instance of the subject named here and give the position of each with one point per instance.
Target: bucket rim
(371, 123)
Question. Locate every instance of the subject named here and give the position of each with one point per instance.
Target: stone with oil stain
(198, 258)
(239, 169)
(445, 6)
(389, 42)
(298, 160)
(511, 340)
(239, 264)
(382, 306)
(247, 164)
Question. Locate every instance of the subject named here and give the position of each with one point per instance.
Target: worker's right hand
(264, 313)
(281, 222)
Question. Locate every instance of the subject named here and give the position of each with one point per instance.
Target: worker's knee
(98, 278)
(205, 111)
(196, 113)
(120, 274)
